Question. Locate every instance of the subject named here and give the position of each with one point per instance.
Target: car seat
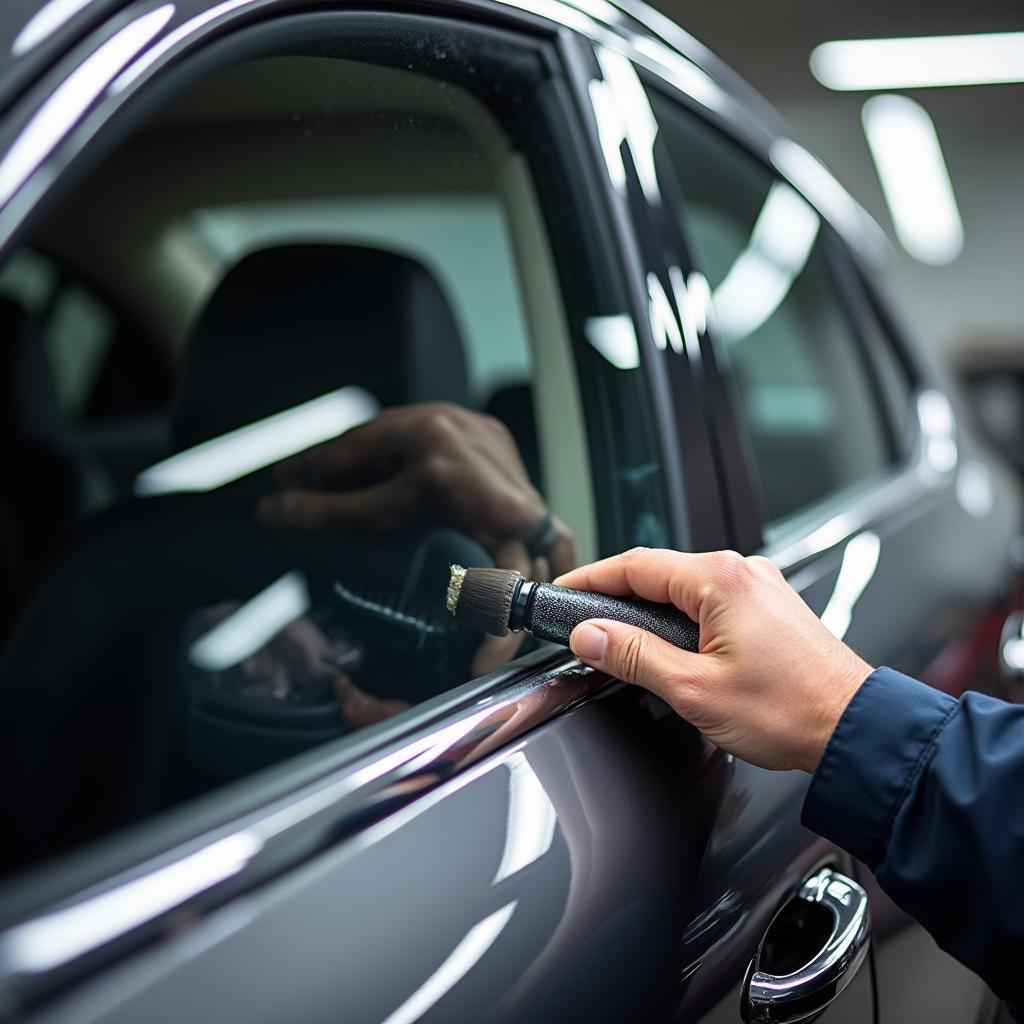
(100, 700)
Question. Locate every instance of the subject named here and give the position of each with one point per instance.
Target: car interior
(305, 227)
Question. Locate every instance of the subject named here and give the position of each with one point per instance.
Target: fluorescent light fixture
(920, 62)
(256, 445)
(253, 625)
(780, 244)
(462, 960)
(531, 819)
(914, 178)
(860, 560)
(70, 100)
(615, 338)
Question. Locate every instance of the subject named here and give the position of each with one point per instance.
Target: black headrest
(28, 390)
(291, 323)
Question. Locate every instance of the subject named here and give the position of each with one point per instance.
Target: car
(253, 770)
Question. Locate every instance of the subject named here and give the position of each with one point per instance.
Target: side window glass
(800, 382)
(359, 298)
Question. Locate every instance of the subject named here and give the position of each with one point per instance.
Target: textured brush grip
(556, 611)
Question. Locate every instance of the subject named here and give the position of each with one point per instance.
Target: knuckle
(436, 472)
(763, 565)
(732, 569)
(438, 425)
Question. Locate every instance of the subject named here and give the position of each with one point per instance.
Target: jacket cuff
(879, 748)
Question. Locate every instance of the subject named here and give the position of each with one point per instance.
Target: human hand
(770, 681)
(429, 463)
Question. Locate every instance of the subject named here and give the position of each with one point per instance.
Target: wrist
(840, 686)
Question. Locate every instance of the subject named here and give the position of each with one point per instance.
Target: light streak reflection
(531, 819)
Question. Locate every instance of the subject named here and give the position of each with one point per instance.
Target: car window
(208, 579)
(800, 384)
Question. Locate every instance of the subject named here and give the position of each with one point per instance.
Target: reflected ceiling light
(821, 188)
(45, 22)
(531, 819)
(664, 325)
(253, 625)
(914, 178)
(974, 489)
(70, 932)
(615, 338)
(760, 278)
(694, 302)
(256, 445)
(463, 958)
(920, 62)
(182, 32)
(636, 119)
(860, 560)
(58, 115)
(939, 454)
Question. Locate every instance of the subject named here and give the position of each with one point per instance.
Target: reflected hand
(770, 681)
(425, 464)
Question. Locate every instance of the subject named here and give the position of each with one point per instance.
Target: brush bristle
(482, 598)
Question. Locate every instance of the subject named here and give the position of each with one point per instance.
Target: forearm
(924, 789)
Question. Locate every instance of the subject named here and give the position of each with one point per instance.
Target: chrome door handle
(800, 994)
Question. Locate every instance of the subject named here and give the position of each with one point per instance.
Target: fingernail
(588, 642)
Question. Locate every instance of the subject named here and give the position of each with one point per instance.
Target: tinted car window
(322, 246)
(800, 384)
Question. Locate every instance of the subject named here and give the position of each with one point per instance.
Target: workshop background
(964, 298)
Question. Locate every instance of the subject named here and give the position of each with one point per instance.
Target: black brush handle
(556, 611)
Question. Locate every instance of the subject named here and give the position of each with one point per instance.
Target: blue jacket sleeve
(928, 792)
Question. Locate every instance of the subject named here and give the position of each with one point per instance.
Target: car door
(206, 826)
(847, 464)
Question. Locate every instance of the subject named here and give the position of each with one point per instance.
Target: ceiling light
(914, 178)
(920, 62)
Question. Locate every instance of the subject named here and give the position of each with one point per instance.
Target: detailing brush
(497, 601)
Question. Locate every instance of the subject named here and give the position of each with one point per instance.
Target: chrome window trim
(925, 472)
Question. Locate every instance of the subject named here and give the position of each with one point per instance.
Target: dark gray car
(253, 770)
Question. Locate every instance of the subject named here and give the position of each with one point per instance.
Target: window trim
(849, 510)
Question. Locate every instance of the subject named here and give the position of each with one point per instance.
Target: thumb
(634, 655)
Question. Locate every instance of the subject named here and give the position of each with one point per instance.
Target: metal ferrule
(522, 604)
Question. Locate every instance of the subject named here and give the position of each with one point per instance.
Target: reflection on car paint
(664, 325)
(860, 560)
(47, 20)
(531, 819)
(66, 105)
(459, 963)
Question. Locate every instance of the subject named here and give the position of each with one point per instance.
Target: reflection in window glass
(352, 363)
(800, 384)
